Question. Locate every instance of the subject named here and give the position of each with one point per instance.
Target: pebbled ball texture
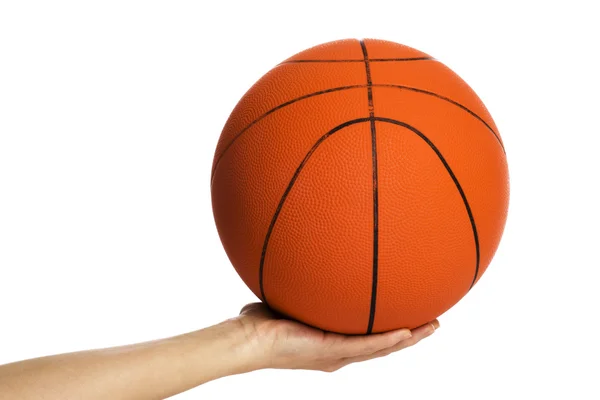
(360, 186)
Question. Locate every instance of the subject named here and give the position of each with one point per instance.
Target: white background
(109, 115)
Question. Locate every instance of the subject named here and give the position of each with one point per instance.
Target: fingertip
(431, 327)
(426, 329)
(249, 307)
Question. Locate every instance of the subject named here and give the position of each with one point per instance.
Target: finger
(249, 307)
(353, 346)
(257, 309)
(418, 334)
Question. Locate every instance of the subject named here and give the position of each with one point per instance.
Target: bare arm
(162, 368)
(151, 370)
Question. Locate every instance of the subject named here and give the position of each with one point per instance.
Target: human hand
(256, 339)
(286, 344)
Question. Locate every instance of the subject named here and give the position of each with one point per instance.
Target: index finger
(352, 346)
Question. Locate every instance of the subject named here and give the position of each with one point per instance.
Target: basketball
(360, 186)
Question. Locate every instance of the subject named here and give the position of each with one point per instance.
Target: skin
(256, 339)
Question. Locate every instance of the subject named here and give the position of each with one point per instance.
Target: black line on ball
(454, 179)
(375, 190)
(402, 59)
(361, 60)
(439, 96)
(311, 152)
(271, 111)
(342, 88)
(287, 192)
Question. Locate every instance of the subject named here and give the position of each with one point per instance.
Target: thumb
(258, 310)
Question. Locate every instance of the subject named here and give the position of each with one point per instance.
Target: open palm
(292, 345)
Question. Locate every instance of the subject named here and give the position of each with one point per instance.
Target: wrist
(228, 347)
(246, 344)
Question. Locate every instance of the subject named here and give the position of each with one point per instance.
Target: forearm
(152, 370)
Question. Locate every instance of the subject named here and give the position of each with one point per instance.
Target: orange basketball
(360, 186)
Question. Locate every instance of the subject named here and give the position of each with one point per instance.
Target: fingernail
(433, 325)
(431, 328)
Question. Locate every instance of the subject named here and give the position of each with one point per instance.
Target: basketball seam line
(361, 60)
(287, 192)
(375, 190)
(342, 88)
(456, 183)
(271, 111)
(311, 152)
(449, 100)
